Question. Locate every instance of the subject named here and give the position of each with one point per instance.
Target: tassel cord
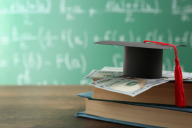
(179, 91)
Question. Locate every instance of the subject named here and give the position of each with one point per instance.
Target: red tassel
(179, 91)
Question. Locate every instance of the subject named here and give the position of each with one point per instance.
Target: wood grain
(46, 107)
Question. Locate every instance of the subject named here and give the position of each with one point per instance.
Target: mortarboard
(144, 60)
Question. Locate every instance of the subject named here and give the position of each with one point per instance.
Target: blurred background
(51, 42)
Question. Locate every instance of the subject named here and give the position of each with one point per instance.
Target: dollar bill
(169, 75)
(166, 75)
(117, 69)
(98, 74)
(127, 86)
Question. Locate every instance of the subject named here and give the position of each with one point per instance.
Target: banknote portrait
(133, 85)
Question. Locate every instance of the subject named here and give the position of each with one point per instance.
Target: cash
(170, 75)
(166, 75)
(98, 74)
(117, 69)
(127, 86)
(110, 80)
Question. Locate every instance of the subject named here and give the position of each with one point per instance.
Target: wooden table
(46, 107)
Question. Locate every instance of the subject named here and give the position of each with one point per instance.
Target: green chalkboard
(51, 42)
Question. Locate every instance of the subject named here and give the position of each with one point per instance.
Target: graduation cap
(144, 60)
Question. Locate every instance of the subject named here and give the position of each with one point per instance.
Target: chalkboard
(51, 42)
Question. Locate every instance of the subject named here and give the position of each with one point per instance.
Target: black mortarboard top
(141, 60)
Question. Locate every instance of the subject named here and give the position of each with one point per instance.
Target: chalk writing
(117, 60)
(131, 7)
(70, 11)
(24, 78)
(30, 60)
(26, 7)
(68, 37)
(183, 9)
(72, 63)
(168, 65)
(44, 37)
(128, 8)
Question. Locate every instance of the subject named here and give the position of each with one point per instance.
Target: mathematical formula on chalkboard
(51, 42)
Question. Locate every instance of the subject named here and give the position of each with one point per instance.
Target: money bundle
(127, 86)
(110, 78)
(98, 74)
(166, 75)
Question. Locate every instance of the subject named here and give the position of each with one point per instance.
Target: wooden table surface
(46, 107)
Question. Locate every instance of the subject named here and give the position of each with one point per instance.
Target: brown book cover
(161, 94)
(139, 114)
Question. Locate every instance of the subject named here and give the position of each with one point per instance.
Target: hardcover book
(140, 113)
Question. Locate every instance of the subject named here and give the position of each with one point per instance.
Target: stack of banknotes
(112, 79)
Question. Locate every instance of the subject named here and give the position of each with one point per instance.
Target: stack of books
(152, 108)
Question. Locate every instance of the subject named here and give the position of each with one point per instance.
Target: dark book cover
(160, 106)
